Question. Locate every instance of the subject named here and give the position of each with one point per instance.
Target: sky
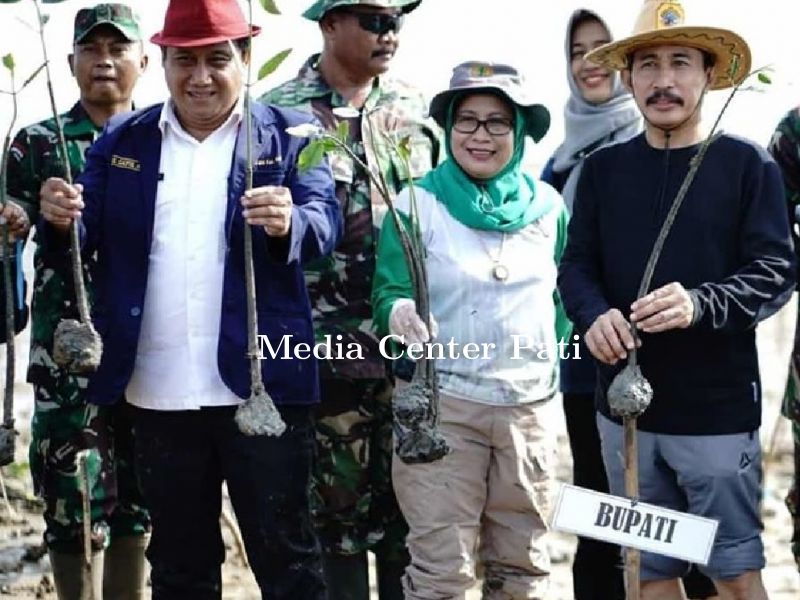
(528, 34)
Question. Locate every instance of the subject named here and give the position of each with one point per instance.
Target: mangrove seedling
(415, 407)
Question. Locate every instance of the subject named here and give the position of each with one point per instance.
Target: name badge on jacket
(122, 162)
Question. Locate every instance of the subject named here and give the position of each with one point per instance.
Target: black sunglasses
(378, 23)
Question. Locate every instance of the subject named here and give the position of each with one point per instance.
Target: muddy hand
(16, 218)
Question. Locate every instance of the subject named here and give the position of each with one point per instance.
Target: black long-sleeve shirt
(730, 246)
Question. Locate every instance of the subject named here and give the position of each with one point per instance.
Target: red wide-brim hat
(190, 23)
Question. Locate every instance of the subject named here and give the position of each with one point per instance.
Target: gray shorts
(714, 476)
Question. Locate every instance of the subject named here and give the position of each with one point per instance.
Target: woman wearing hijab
(599, 111)
(492, 236)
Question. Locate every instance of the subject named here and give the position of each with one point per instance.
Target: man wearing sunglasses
(352, 498)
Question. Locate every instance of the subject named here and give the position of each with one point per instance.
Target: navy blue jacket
(730, 247)
(120, 182)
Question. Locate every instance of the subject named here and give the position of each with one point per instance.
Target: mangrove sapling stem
(415, 409)
(7, 431)
(416, 406)
(76, 345)
(82, 459)
(77, 268)
(258, 415)
(633, 557)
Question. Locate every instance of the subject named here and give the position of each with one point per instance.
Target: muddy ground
(24, 568)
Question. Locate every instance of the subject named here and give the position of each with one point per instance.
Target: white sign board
(643, 526)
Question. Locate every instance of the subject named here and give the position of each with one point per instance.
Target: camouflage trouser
(352, 500)
(58, 433)
(793, 498)
(791, 408)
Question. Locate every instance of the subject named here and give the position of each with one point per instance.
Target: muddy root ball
(8, 436)
(258, 416)
(417, 439)
(630, 393)
(77, 347)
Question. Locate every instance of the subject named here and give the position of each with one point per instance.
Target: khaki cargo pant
(487, 501)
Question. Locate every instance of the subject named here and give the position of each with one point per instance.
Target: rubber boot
(346, 576)
(124, 574)
(68, 573)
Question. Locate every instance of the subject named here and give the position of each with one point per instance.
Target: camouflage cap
(320, 7)
(120, 16)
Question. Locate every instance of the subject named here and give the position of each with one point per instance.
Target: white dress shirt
(176, 359)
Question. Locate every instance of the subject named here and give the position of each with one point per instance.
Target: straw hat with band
(664, 23)
(474, 77)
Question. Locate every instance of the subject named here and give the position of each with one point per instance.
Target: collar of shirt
(76, 123)
(315, 86)
(169, 118)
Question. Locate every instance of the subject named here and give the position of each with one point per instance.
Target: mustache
(664, 95)
(383, 52)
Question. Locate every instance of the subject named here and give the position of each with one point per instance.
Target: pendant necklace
(499, 269)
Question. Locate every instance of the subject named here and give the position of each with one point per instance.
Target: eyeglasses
(378, 23)
(492, 125)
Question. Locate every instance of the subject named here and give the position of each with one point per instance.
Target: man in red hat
(163, 203)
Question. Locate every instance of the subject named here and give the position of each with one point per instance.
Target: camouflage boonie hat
(476, 76)
(120, 16)
(320, 7)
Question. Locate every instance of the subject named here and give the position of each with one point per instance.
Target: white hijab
(590, 126)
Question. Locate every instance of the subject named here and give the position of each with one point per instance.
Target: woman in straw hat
(726, 265)
(492, 236)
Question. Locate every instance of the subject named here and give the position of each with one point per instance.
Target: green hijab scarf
(507, 202)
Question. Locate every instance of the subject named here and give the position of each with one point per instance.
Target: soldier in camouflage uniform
(785, 148)
(106, 62)
(352, 498)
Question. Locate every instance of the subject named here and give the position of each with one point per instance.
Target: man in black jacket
(727, 264)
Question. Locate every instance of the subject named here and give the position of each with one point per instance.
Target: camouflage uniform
(63, 423)
(353, 503)
(785, 148)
